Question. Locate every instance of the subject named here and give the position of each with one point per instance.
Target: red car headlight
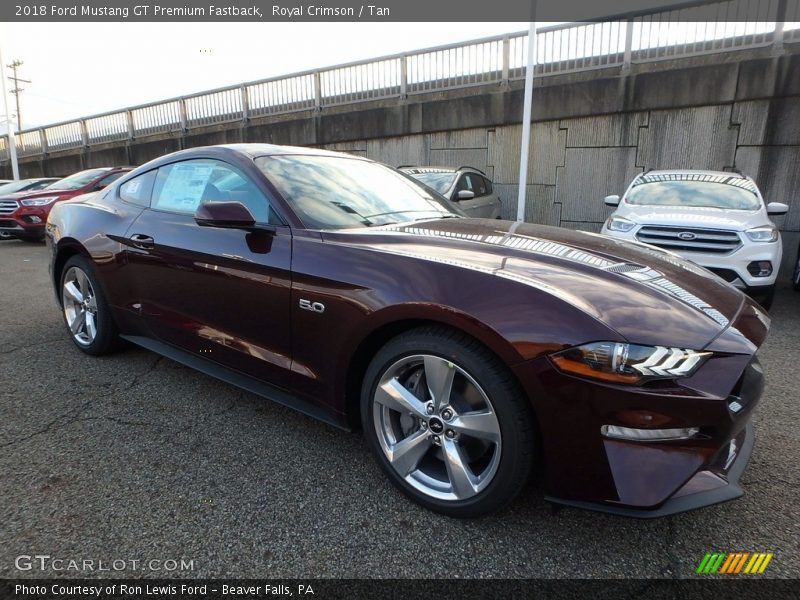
(43, 201)
(628, 363)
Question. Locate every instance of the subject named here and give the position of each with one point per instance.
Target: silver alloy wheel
(80, 306)
(437, 427)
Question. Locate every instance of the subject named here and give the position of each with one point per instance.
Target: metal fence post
(504, 78)
(245, 104)
(317, 92)
(129, 122)
(626, 59)
(777, 36)
(84, 133)
(43, 140)
(403, 77)
(182, 109)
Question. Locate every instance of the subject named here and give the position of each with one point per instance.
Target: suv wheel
(796, 277)
(447, 422)
(85, 310)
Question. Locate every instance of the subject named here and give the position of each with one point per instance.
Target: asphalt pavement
(135, 458)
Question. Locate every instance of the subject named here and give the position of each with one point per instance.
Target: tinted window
(137, 190)
(472, 182)
(182, 187)
(488, 185)
(693, 193)
(78, 180)
(331, 192)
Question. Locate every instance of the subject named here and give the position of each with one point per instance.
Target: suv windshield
(329, 192)
(440, 181)
(704, 194)
(77, 181)
(14, 186)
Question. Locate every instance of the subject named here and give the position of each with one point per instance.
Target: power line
(17, 89)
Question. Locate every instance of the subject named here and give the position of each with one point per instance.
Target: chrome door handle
(144, 242)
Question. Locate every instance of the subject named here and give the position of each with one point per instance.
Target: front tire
(447, 422)
(85, 310)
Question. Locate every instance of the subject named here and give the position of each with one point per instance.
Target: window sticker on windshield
(184, 187)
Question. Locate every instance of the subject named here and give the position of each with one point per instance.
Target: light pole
(526, 116)
(12, 145)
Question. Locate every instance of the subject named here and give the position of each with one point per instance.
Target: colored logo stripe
(734, 563)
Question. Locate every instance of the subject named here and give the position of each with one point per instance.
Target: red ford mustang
(468, 350)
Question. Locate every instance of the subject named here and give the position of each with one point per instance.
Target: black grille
(692, 239)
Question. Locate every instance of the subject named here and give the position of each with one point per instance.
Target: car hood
(647, 295)
(693, 216)
(37, 194)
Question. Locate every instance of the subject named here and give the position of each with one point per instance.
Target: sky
(79, 69)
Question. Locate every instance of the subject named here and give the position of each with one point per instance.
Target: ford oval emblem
(686, 235)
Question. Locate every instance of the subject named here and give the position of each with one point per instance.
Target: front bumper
(645, 479)
(731, 267)
(716, 483)
(25, 221)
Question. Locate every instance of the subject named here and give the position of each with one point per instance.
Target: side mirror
(230, 215)
(777, 208)
(465, 195)
(612, 200)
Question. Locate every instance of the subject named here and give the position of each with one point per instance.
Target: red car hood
(39, 194)
(647, 295)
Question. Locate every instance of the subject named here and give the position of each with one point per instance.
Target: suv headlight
(765, 233)
(43, 201)
(628, 363)
(622, 224)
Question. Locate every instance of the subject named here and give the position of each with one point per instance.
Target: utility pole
(17, 90)
(12, 144)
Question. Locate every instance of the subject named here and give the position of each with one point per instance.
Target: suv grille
(716, 241)
(8, 206)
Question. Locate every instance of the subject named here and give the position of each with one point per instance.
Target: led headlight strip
(618, 362)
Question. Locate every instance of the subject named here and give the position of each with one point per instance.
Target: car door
(222, 294)
(481, 205)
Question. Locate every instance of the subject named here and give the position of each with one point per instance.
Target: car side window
(472, 182)
(478, 185)
(137, 190)
(488, 185)
(182, 187)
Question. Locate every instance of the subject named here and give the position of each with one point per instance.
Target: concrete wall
(592, 132)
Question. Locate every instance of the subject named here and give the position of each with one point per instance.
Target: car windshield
(331, 192)
(77, 181)
(438, 180)
(14, 186)
(705, 194)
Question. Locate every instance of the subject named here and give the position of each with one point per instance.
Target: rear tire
(85, 310)
(796, 277)
(447, 422)
(768, 298)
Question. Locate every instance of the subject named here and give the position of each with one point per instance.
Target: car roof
(434, 169)
(722, 177)
(256, 150)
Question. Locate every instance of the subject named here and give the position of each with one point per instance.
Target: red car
(24, 214)
(466, 349)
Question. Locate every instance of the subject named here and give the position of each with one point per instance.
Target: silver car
(468, 187)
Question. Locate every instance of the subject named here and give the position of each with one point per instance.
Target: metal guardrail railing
(735, 25)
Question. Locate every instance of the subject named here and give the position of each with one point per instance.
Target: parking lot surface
(133, 457)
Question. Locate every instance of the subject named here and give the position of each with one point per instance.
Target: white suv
(714, 219)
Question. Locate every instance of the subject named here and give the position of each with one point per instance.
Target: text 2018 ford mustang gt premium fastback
(468, 350)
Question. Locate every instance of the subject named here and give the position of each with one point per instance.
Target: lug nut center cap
(436, 425)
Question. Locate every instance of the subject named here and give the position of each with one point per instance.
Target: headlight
(43, 201)
(765, 233)
(628, 363)
(622, 224)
